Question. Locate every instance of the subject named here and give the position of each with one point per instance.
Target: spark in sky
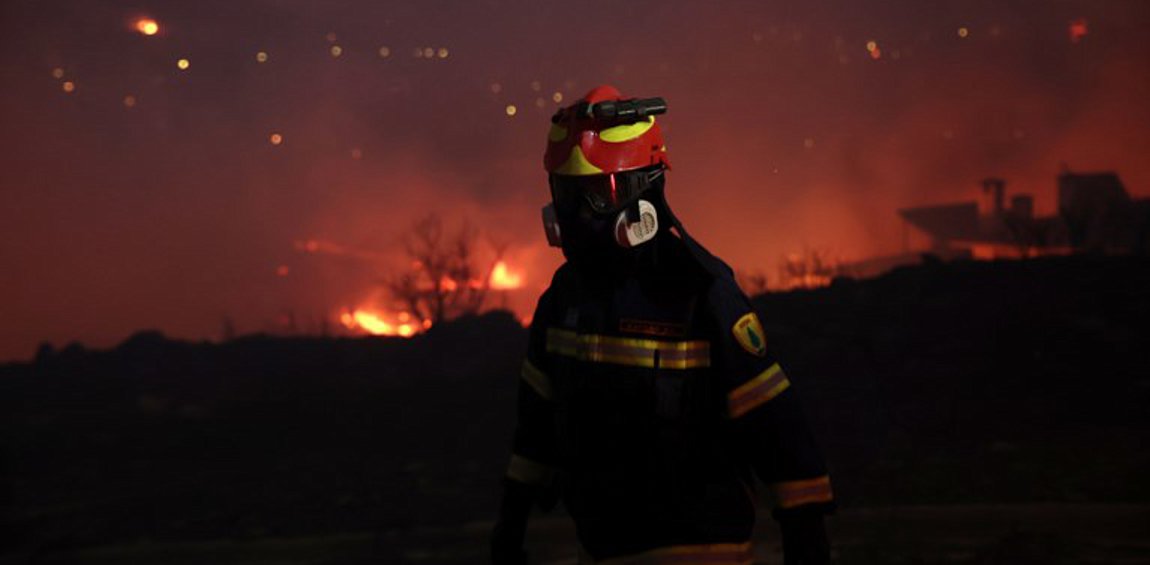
(353, 120)
(147, 26)
(1078, 30)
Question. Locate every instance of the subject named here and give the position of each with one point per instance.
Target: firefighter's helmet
(604, 152)
(604, 133)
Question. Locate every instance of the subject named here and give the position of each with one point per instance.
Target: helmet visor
(603, 194)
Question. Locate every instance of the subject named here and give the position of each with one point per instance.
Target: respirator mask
(601, 216)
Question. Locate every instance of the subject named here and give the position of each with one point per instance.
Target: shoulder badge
(749, 333)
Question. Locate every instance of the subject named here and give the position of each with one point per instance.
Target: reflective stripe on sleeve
(629, 351)
(757, 391)
(537, 379)
(790, 494)
(529, 472)
(711, 554)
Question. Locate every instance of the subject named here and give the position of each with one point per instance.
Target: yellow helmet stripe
(626, 132)
(578, 165)
(557, 133)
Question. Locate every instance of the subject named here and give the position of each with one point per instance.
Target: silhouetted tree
(444, 279)
(810, 269)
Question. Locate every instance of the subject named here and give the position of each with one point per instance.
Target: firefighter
(649, 399)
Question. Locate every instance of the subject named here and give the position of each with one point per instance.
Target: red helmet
(604, 133)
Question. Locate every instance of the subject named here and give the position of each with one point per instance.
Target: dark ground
(971, 413)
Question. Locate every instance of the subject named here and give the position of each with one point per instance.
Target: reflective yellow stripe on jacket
(529, 472)
(757, 391)
(789, 494)
(629, 351)
(710, 554)
(537, 379)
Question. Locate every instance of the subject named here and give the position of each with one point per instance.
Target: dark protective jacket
(651, 398)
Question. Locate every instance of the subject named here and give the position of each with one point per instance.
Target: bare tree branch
(443, 280)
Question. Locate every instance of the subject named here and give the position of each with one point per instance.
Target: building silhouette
(1095, 214)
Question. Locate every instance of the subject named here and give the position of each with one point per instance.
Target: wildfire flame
(813, 268)
(373, 320)
(503, 279)
(379, 322)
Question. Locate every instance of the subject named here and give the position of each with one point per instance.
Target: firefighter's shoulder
(740, 353)
(561, 281)
(734, 317)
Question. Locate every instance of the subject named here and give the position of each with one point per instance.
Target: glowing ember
(504, 279)
(1078, 30)
(383, 323)
(147, 26)
(873, 50)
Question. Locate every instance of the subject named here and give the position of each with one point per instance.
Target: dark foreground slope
(977, 381)
(954, 388)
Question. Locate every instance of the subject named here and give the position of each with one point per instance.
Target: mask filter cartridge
(551, 226)
(630, 234)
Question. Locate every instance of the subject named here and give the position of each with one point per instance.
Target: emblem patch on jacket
(749, 333)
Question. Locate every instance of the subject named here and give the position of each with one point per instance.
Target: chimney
(998, 187)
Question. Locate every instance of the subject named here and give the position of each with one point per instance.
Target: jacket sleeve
(763, 410)
(533, 451)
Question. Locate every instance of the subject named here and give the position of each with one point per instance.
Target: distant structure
(1095, 214)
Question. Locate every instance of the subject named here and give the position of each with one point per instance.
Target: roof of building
(947, 221)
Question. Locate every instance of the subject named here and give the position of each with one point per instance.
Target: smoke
(782, 131)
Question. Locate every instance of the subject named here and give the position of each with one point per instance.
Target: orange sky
(176, 211)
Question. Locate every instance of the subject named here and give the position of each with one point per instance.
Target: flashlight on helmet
(631, 110)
